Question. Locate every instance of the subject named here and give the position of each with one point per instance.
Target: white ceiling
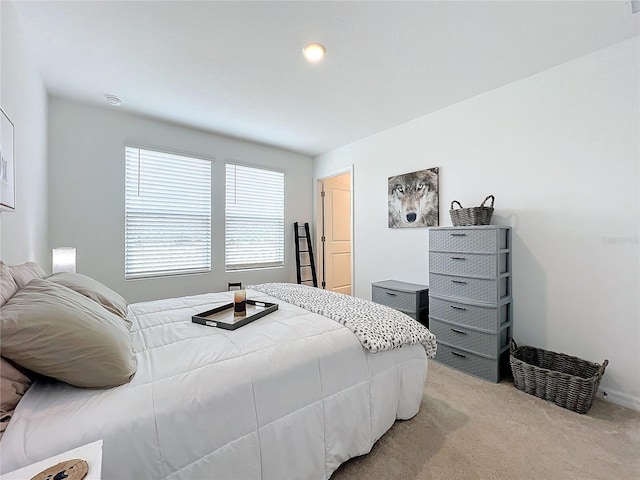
(236, 68)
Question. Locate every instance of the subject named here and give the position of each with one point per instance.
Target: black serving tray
(223, 317)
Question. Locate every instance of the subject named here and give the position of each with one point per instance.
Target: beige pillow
(8, 285)
(52, 330)
(23, 274)
(13, 385)
(94, 290)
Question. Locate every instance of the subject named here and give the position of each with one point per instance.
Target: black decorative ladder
(306, 249)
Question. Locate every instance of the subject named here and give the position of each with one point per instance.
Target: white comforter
(289, 396)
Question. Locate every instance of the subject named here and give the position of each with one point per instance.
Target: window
(254, 218)
(167, 214)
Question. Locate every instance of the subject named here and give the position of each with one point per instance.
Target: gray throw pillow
(52, 330)
(94, 290)
(8, 286)
(13, 385)
(23, 274)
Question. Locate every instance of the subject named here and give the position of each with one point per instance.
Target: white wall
(86, 194)
(23, 232)
(560, 152)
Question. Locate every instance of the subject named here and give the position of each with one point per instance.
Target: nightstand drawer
(471, 264)
(479, 342)
(482, 367)
(487, 318)
(405, 301)
(488, 240)
(474, 289)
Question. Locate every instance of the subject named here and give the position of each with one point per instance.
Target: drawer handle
(458, 331)
(458, 234)
(458, 258)
(458, 354)
(459, 281)
(458, 308)
(391, 293)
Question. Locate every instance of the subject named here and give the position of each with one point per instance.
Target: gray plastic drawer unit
(469, 339)
(484, 239)
(470, 294)
(409, 298)
(488, 318)
(469, 288)
(403, 301)
(483, 367)
(469, 264)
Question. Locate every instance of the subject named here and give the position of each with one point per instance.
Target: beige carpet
(471, 429)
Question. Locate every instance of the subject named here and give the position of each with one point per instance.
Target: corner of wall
(23, 232)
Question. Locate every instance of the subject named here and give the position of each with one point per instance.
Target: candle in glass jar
(239, 302)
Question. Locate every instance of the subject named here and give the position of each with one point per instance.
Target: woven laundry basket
(481, 215)
(567, 381)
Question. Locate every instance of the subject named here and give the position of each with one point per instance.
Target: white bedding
(291, 395)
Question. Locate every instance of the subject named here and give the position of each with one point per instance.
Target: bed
(291, 395)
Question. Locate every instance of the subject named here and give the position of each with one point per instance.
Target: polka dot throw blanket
(378, 327)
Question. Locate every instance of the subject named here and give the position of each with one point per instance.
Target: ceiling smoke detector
(113, 100)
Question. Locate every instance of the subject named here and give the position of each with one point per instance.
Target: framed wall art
(7, 164)
(413, 199)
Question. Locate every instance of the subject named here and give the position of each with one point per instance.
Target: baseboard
(619, 399)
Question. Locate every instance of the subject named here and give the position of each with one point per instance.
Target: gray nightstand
(409, 298)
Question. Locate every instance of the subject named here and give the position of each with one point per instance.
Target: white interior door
(335, 233)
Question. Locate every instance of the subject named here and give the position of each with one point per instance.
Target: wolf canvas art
(413, 199)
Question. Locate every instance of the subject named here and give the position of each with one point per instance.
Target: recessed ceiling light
(314, 52)
(113, 100)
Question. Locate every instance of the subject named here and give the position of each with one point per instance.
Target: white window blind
(167, 214)
(254, 218)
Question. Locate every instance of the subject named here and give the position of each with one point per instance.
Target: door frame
(318, 220)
